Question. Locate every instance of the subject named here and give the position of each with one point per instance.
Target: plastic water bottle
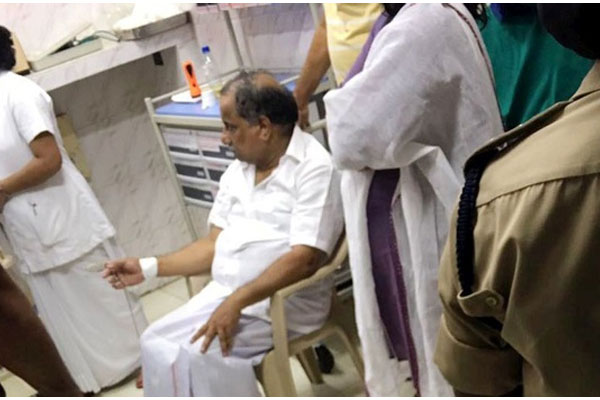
(211, 73)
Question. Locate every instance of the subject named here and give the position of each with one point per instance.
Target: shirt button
(491, 301)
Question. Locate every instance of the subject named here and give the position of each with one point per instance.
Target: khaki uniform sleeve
(472, 355)
(536, 259)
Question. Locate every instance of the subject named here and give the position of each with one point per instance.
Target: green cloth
(532, 70)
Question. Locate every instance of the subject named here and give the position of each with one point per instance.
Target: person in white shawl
(422, 104)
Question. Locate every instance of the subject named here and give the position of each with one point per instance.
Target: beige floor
(344, 380)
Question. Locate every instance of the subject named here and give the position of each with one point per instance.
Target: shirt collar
(590, 83)
(297, 147)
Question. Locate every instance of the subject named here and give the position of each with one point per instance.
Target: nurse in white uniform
(62, 238)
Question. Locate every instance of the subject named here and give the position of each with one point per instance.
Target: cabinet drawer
(214, 170)
(211, 147)
(181, 141)
(202, 193)
(189, 167)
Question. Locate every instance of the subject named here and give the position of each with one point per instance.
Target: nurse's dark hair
(253, 100)
(7, 52)
(391, 9)
(477, 11)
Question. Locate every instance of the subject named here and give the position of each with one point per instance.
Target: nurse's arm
(315, 66)
(45, 163)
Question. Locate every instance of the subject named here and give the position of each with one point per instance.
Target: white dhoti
(174, 367)
(94, 327)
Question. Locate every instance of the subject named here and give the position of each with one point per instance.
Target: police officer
(519, 275)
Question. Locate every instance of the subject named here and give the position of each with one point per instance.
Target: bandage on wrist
(149, 267)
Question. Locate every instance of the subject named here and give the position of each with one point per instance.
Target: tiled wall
(270, 36)
(278, 35)
(128, 174)
(108, 113)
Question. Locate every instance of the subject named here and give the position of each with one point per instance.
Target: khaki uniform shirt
(536, 265)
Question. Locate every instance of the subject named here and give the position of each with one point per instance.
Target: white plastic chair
(275, 372)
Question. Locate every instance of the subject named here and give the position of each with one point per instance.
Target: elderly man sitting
(274, 221)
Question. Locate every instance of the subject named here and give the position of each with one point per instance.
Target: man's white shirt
(298, 204)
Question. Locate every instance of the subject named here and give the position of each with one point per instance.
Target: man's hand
(124, 272)
(223, 323)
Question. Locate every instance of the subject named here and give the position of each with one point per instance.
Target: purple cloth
(385, 260)
(387, 269)
(359, 64)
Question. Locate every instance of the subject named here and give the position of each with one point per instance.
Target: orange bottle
(190, 76)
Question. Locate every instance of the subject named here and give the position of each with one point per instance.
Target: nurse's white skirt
(94, 326)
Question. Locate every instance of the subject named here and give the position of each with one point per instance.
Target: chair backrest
(340, 251)
(336, 259)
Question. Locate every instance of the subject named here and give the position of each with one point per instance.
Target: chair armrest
(322, 273)
(277, 307)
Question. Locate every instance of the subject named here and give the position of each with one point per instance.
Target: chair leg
(276, 377)
(353, 350)
(309, 363)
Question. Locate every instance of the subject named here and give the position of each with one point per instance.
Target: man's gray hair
(253, 100)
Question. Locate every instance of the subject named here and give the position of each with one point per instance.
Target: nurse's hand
(122, 273)
(3, 197)
(302, 103)
(303, 116)
(222, 323)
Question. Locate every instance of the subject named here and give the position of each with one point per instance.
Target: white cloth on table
(298, 204)
(92, 325)
(423, 103)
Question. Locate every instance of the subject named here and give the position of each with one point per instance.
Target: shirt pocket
(275, 208)
(244, 233)
(243, 254)
(44, 215)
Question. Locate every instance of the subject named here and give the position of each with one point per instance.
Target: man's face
(237, 133)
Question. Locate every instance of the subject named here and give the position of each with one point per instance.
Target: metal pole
(234, 41)
(315, 126)
(173, 178)
(314, 10)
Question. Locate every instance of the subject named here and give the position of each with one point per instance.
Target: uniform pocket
(46, 213)
(482, 303)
